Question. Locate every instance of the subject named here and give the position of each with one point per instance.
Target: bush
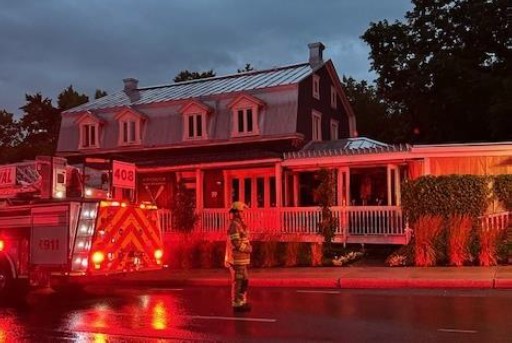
(427, 233)
(404, 256)
(490, 240)
(459, 235)
(292, 254)
(316, 254)
(503, 189)
(268, 253)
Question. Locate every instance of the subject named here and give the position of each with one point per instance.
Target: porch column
(199, 189)
(227, 189)
(279, 184)
(389, 170)
(398, 192)
(295, 189)
(266, 192)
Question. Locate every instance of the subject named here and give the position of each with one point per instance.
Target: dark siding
(307, 103)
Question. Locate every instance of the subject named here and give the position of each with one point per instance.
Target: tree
(373, 113)
(9, 137)
(246, 69)
(40, 126)
(447, 69)
(186, 75)
(99, 94)
(183, 209)
(70, 98)
(324, 194)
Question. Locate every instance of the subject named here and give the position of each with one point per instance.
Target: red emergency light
(2, 245)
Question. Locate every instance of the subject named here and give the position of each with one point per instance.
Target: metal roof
(346, 146)
(203, 87)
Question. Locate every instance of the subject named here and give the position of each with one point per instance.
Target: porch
(356, 224)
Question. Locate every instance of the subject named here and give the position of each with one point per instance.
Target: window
(194, 126)
(130, 127)
(88, 131)
(334, 98)
(316, 87)
(334, 130)
(89, 136)
(195, 115)
(316, 126)
(246, 115)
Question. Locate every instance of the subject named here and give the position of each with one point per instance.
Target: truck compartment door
(49, 235)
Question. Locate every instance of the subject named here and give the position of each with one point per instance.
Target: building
(258, 137)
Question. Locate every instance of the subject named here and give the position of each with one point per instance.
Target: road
(279, 315)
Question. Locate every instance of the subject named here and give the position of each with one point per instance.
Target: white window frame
(334, 98)
(316, 87)
(197, 111)
(246, 103)
(186, 126)
(335, 126)
(245, 125)
(86, 139)
(316, 126)
(133, 123)
(88, 131)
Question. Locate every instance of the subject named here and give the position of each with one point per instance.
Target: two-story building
(258, 137)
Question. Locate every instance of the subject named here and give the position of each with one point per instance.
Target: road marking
(324, 292)
(240, 319)
(166, 289)
(457, 331)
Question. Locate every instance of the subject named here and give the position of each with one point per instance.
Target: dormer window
(130, 127)
(246, 115)
(316, 87)
(334, 98)
(195, 120)
(89, 131)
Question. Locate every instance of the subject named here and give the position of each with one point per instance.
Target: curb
(369, 283)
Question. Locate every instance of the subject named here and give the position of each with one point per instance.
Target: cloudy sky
(47, 45)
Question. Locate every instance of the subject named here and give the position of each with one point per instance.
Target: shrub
(503, 189)
(490, 240)
(427, 233)
(316, 254)
(304, 255)
(268, 253)
(404, 256)
(459, 239)
(292, 254)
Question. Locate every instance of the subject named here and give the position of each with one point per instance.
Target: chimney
(316, 54)
(130, 88)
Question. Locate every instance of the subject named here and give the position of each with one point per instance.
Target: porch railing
(353, 221)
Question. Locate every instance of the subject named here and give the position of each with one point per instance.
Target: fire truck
(66, 225)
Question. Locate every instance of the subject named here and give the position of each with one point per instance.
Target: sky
(51, 44)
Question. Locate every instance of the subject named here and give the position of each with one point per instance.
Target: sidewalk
(498, 277)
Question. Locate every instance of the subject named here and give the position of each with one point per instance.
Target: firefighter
(238, 257)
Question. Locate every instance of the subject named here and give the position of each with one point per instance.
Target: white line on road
(240, 319)
(166, 289)
(324, 292)
(457, 331)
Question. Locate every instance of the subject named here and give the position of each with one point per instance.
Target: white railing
(495, 221)
(352, 220)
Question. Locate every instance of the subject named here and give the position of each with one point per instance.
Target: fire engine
(66, 225)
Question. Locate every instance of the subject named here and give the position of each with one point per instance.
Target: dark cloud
(48, 45)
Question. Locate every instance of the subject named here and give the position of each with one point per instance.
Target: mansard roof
(279, 76)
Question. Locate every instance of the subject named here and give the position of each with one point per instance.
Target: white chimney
(316, 54)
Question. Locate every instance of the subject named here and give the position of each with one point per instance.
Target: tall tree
(9, 137)
(40, 125)
(70, 98)
(373, 113)
(447, 69)
(186, 75)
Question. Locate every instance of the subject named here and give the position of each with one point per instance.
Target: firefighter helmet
(238, 206)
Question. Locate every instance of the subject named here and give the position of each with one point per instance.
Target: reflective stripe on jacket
(238, 246)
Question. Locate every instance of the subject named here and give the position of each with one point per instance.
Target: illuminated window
(316, 87)
(334, 98)
(316, 125)
(195, 120)
(334, 130)
(246, 111)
